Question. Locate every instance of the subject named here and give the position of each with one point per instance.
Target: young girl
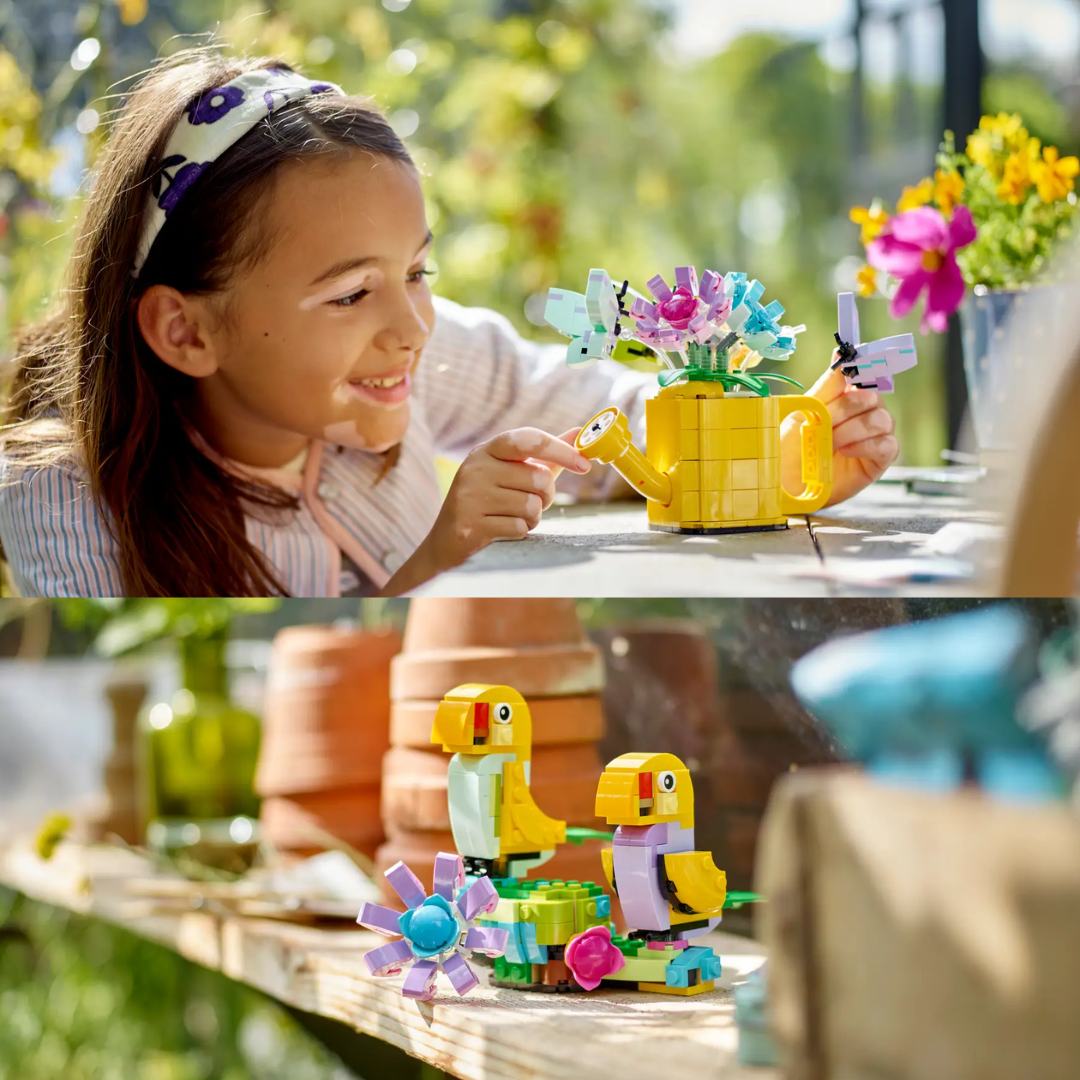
(248, 380)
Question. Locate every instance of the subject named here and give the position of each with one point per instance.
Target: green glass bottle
(199, 752)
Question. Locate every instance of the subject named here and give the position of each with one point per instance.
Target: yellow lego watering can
(712, 458)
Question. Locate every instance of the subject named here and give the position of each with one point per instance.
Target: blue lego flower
(431, 928)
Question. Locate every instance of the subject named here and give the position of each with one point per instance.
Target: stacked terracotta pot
(539, 648)
(325, 731)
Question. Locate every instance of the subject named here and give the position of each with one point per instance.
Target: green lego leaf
(781, 378)
(578, 835)
(737, 899)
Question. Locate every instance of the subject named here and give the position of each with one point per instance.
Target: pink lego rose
(591, 956)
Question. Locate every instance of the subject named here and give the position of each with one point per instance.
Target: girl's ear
(178, 329)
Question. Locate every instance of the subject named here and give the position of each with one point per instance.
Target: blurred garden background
(560, 134)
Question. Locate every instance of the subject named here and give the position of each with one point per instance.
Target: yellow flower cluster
(1019, 162)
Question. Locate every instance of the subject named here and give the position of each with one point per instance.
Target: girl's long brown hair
(88, 391)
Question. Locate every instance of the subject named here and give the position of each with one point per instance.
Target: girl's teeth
(392, 381)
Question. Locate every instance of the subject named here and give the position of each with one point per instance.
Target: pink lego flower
(919, 248)
(590, 956)
(679, 308)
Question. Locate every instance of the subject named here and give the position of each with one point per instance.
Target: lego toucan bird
(668, 891)
(497, 827)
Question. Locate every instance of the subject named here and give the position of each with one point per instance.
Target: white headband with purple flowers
(211, 124)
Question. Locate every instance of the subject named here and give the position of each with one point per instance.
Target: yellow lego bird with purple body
(667, 890)
(498, 828)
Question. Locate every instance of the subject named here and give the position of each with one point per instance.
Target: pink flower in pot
(919, 248)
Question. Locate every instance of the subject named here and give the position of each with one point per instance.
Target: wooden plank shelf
(489, 1035)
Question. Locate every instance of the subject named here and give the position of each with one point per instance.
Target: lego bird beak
(453, 726)
(617, 798)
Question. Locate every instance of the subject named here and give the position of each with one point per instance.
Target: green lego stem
(578, 835)
(737, 899)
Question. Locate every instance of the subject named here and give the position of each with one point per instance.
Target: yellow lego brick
(716, 506)
(744, 504)
(770, 446)
(770, 502)
(769, 472)
(716, 475)
(716, 444)
(738, 412)
(689, 505)
(689, 445)
(679, 991)
(688, 413)
(664, 515)
(747, 443)
(729, 412)
(686, 476)
(745, 474)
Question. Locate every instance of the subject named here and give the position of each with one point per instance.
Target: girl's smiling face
(320, 336)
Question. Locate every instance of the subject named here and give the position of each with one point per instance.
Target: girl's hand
(499, 492)
(864, 445)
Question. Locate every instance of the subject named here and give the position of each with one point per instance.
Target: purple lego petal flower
(420, 982)
(487, 940)
(449, 874)
(211, 105)
(432, 927)
(658, 287)
(479, 899)
(381, 919)
(406, 884)
(388, 959)
(462, 978)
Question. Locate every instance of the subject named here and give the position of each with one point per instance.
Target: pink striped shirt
(478, 377)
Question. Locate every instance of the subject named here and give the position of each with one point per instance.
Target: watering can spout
(606, 437)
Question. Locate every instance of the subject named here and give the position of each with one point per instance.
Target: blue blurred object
(934, 704)
(756, 1043)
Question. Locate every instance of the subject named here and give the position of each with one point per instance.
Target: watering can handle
(816, 449)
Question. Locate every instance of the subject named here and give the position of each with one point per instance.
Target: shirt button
(326, 491)
(393, 562)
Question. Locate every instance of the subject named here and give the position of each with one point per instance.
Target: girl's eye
(416, 275)
(352, 298)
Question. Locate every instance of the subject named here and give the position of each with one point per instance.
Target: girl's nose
(405, 327)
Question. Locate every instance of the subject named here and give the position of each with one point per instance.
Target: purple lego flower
(213, 104)
(591, 957)
(176, 183)
(436, 930)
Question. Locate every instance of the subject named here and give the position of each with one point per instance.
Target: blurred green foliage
(85, 1001)
(121, 626)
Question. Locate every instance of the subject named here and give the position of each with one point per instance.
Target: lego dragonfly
(590, 320)
(869, 365)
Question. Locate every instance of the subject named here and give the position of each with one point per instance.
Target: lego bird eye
(665, 781)
(503, 714)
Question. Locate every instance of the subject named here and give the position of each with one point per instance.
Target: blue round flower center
(432, 928)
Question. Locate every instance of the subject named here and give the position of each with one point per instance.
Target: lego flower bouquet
(978, 235)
